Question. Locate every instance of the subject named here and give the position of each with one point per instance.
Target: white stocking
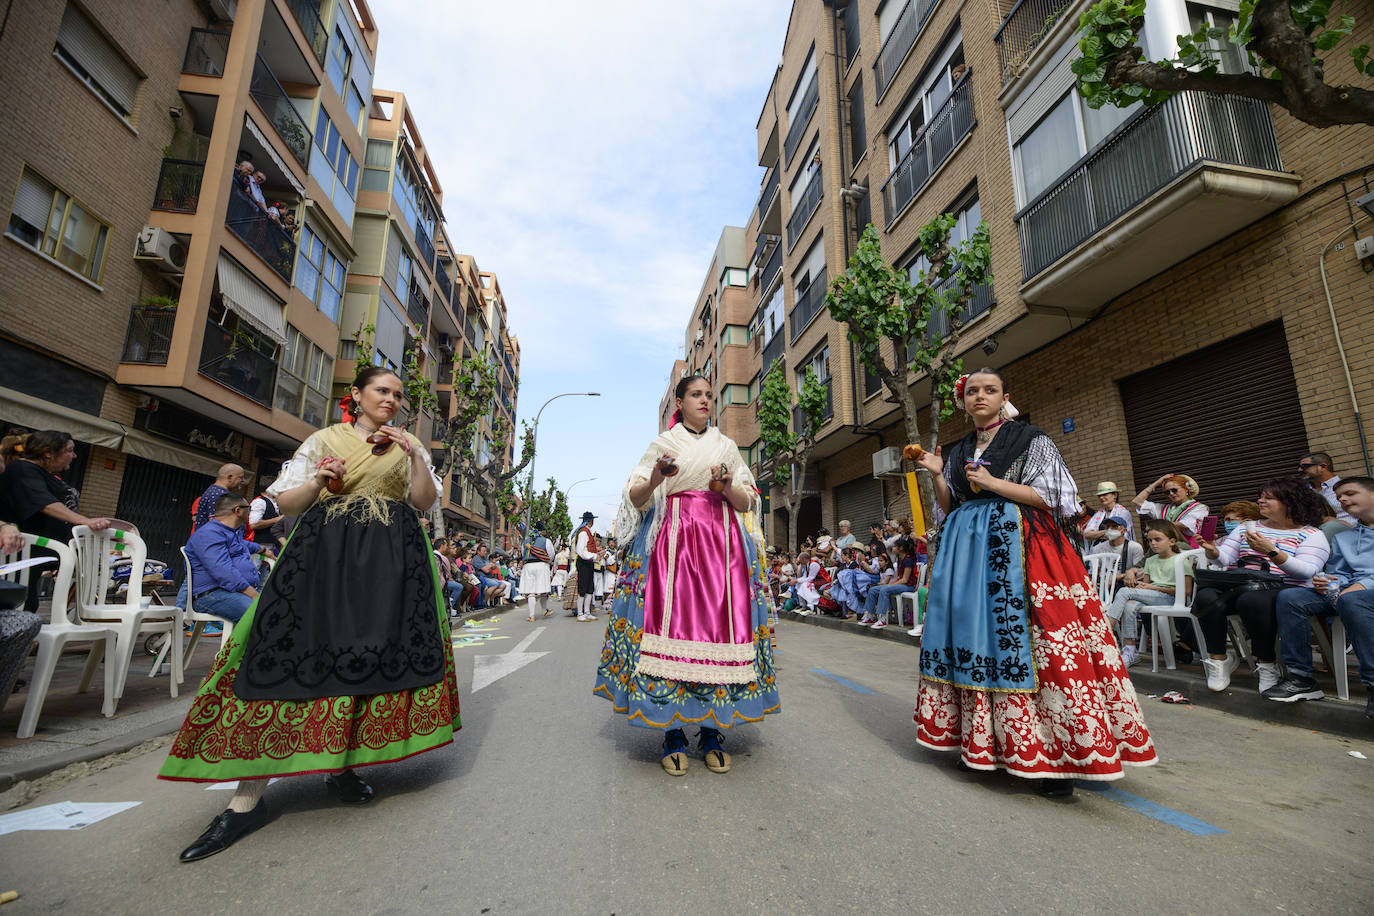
(247, 796)
(534, 605)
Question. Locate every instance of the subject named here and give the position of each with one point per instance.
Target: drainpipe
(1340, 347)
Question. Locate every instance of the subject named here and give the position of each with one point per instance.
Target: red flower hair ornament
(959, 386)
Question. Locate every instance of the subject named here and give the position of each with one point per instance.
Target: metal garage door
(861, 502)
(157, 498)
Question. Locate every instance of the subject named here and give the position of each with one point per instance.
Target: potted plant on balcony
(164, 303)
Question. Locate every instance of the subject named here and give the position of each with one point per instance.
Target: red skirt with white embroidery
(1082, 721)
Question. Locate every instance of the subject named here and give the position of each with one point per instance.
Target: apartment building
(150, 305)
(718, 345)
(1157, 300)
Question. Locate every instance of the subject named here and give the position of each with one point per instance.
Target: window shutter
(79, 37)
(390, 338)
(33, 201)
(393, 257)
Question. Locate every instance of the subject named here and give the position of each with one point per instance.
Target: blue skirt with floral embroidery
(655, 702)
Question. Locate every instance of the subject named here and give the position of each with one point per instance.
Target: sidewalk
(1339, 717)
(72, 730)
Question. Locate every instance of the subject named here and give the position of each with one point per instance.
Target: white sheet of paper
(219, 786)
(17, 565)
(62, 816)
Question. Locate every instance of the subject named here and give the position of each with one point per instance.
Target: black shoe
(1294, 687)
(1182, 654)
(224, 831)
(349, 787)
(1055, 788)
(961, 766)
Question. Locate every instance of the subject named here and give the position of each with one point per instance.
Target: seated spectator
(852, 583)
(846, 538)
(877, 601)
(825, 552)
(1321, 474)
(1331, 523)
(1116, 542)
(1154, 585)
(1345, 587)
(1180, 506)
(222, 570)
(1107, 495)
(1286, 537)
(1236, 514)
(18, 629)
(806, 588)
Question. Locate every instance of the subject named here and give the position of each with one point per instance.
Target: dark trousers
(1295, 608)
(1256, 610)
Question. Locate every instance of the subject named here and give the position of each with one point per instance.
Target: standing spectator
(1182, 507)
(1285, 537)
(38, 500)
(1345, 587)
(1155, 585)
(221, 564)
(263, 513)
(229, 478)
(1317, 468)
(1107, 496)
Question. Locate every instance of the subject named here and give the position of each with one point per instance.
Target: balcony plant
(166, 303)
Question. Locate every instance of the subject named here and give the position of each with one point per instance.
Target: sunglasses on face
(1310, 464)
(1173, 490)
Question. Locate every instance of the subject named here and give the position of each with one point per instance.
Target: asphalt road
(546, 803)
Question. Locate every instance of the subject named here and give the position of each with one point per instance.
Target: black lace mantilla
(350, 610)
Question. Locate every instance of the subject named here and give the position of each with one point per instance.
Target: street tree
(492, 476)
(419, 390)
(920, 320)
(548, 507)
(788, 451)
(1288, 44)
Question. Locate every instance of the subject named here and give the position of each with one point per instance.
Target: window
(734, 276)
(340, 62)
(49, 221)
(377, 165)
(858, 132)
(304, 375)
(355, 105)
(1232, 58)
(967, 215)
(83, 48)
(735, 334)
(319, 274)
(819, 363)
(924, 104)
(333, 166)
(735, 394)
(1070, 131)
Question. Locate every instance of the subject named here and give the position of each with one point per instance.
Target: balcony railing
(251, 224)
(769, 192)
(1144, 155)
(980, 300)
(952, 121)
(230, 361)
(307, 13)
(206, 51)
(773, 351)
(276, 104)
(149, 338)
(422, 241)
(770, 269)
(178, 185)
(803, 207)
(799, 418)
(807, 307)
(417, 307)
(445, 284)
(796, 127)
(1022, 31)
(899, 42)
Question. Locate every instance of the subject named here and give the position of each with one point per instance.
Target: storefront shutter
(861, 502)
(1227, 415)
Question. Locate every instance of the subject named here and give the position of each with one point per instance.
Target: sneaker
(865, 620)
(1268, 673)
(1129, 655)
(1294, 687)
(879, 624)
(1219, 671)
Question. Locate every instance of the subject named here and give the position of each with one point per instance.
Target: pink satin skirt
(698, 624)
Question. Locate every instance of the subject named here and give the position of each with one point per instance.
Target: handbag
(1231, 583)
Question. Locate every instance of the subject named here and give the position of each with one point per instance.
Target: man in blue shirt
(1345, 588)
(222, 571)
(230, 478)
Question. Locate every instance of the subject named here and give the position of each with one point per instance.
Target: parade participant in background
(344, 658)
(688, 639)
(535, 578)
(1018, 667)
(560, 570)
(263, 514)
(586, 549)
(606, 592)
(598, 571)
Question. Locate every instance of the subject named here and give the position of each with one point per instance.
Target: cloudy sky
(589, 157)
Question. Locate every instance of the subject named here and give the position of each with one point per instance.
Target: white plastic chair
(57, 632)
(1102, 568)
(1182, 607)
(191, 615)
(1333, 650)
(918, 619)
(131, 617)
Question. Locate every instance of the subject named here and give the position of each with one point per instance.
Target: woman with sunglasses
(1181, 506)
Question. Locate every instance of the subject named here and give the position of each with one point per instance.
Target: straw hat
(1107, 486)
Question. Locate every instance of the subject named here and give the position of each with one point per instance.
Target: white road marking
(487, 669)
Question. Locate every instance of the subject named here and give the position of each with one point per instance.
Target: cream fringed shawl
(369, 480)
(695, 457)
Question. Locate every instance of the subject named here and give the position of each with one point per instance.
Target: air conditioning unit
(701, 335)
(446, 342)
(162, 247)
(887, 462)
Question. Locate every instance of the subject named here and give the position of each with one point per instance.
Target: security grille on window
(48, 220)
(81, 46)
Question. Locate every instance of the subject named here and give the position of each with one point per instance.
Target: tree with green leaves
(474, 396)
(1288, 44)
(920, 319)
(419, 390)
(549, 508)
(786, 451)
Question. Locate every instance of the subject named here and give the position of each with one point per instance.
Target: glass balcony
(422, 241)
(803, 207)
(206, 52)
(952, 121)
(807, 306)
(178, 185)
(276, 104)
(269, 241)
(770, 268)
(307, 13)
(149, 338)
(1022, 31)
(796, 127)
(232, 361)
(445, 284)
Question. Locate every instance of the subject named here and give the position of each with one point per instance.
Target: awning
(272, 154)
(250, 300)
(27, 410)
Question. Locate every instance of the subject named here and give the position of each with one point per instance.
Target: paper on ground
(235, 785)
(62, 816)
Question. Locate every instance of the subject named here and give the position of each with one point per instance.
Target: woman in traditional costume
(687, 641)
(344, 659)
(1018, 666)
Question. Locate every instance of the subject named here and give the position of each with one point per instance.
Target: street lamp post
(567, 494)
(534, 442)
